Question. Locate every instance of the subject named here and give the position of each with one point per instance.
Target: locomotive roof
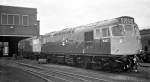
(91, 25)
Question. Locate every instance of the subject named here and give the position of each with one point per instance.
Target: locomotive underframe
(103, 62)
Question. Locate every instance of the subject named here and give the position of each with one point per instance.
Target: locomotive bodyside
(86, 39)
(100, 38)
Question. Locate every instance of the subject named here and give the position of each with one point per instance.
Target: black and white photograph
(74, 41)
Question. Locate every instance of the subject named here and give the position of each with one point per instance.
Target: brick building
(16, 23)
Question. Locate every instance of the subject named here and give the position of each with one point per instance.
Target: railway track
(54, 75)
(47, 77)
(39, 75)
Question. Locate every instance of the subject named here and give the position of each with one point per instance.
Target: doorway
(4, 49)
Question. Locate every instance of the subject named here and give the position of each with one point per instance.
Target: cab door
(88, 41)
(105, 41)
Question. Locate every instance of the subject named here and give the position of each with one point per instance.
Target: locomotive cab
(125, 39)
(121, 39)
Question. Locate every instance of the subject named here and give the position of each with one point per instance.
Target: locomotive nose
(125, 46)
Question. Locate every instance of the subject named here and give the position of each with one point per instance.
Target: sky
(55, 15)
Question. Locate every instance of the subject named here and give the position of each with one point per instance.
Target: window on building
(25, 20)
(4, 19)
(10, 19)
(16, 19)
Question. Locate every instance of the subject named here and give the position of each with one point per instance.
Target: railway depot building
(16, 23)
(145, 39)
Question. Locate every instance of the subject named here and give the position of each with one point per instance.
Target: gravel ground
(12, 74)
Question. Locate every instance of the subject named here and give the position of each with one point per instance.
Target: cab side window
(105, 32)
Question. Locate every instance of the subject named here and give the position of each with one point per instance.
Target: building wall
(18, 21)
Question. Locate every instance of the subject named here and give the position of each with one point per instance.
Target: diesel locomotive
(110, 45)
